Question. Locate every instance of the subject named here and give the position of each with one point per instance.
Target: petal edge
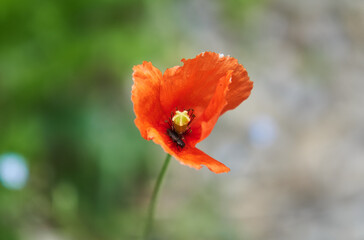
(190, 156)
(145, 96)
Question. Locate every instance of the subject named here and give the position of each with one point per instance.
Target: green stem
(149, 224)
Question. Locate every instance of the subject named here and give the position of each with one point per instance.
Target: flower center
(180, 121)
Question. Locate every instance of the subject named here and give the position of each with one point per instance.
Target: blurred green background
(74, 166)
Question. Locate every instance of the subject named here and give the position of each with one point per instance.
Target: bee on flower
(179, 108)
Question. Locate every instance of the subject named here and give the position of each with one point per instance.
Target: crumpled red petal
(240, 86)
(190, 156)
(145, 96)
(191, 85)
(213, 110)
(194, 84)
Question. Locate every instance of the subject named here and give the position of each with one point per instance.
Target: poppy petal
(195, 155)
(213, 110)
(190, 156)
(239, 88)
(145, 97)
(193, 84)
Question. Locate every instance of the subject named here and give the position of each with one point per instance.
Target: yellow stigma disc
(180, 121)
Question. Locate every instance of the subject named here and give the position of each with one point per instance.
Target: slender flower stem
(149, 224)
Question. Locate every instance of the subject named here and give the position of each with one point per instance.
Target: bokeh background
(74, 166)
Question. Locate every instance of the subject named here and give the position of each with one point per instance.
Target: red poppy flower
(179, 109)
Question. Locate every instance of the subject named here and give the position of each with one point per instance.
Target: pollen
(180, 121)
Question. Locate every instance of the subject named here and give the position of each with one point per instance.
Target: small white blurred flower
(13, 171)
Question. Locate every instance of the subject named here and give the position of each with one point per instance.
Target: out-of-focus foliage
(65, 77)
